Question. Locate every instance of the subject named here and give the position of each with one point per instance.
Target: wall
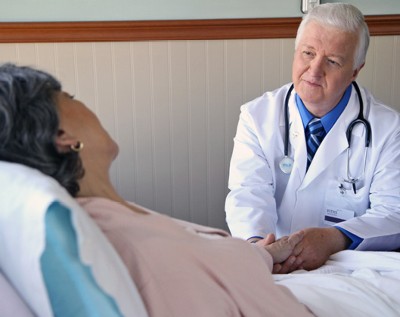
(107, 10)
(173, 107)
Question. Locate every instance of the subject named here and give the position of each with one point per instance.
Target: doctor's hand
(280, 250)
(317, 245)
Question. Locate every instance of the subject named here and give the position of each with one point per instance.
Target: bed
(351, 283)
(43, 262)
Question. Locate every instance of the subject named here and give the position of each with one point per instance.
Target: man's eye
(308, 54)
(335, 63)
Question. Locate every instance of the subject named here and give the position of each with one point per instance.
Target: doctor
(343, 188)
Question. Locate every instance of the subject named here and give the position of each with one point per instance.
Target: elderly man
(320, 155)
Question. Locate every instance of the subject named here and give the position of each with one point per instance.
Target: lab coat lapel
(334, 143)
(297, 140)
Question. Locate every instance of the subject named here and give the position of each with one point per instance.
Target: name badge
(335, 215)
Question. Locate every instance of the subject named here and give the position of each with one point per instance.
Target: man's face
(323, 66)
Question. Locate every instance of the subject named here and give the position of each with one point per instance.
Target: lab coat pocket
(343, 201)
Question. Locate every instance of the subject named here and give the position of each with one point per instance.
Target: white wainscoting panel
(173, 107)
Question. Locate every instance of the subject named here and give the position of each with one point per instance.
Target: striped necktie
(315, 133)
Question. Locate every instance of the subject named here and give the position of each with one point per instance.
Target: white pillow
(11, 303)
(24, 199)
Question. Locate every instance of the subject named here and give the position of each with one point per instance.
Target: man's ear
(357, 71)
(64, 141)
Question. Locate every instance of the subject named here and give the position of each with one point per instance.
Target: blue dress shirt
(328, 121)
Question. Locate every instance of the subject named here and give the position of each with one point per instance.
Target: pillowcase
(70, 284)
(27, 196)
(11, 303)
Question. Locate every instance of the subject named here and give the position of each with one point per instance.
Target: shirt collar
(331, 117)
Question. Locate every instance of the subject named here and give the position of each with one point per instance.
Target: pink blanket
(179, 272)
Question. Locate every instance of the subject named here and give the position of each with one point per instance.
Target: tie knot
(315, 127)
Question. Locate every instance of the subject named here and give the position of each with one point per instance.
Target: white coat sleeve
(379, 227)
(250, 206)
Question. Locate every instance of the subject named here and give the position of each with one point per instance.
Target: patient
(179, 268)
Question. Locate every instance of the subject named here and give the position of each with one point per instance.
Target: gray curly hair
(29, 125)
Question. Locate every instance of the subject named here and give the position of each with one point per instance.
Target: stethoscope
(286, 164)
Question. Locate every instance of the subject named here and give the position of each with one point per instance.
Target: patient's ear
(64, 141)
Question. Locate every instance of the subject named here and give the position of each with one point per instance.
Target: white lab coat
(263, 199)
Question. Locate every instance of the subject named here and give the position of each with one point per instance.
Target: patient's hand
(314, 249)
(281, 249)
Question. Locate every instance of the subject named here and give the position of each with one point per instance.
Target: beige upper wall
(173, 107)
(109, 10)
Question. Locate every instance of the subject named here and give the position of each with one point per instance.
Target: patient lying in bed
(176, 269)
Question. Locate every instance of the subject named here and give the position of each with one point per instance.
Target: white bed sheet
(351, 283)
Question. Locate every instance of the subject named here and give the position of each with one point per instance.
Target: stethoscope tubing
(360, 119)
(286, 150)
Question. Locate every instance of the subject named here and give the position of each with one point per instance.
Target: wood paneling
(115, 31)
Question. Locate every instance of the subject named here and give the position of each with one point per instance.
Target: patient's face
(79, 121)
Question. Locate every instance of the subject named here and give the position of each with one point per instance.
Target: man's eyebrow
(307, 46)
(340, 57)
(310, 47)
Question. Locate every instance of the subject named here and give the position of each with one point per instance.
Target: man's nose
(317, 66)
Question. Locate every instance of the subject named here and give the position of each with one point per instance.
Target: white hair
(342, 16)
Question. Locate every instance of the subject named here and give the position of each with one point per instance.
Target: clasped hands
(306, 249)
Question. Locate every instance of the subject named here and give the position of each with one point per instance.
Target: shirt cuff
(355, 240)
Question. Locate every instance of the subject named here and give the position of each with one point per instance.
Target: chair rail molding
(214, 29)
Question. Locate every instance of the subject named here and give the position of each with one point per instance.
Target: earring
(77, 147)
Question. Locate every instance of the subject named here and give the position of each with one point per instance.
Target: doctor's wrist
(341, 241)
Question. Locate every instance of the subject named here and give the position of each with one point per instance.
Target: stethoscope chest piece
(286, 165)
